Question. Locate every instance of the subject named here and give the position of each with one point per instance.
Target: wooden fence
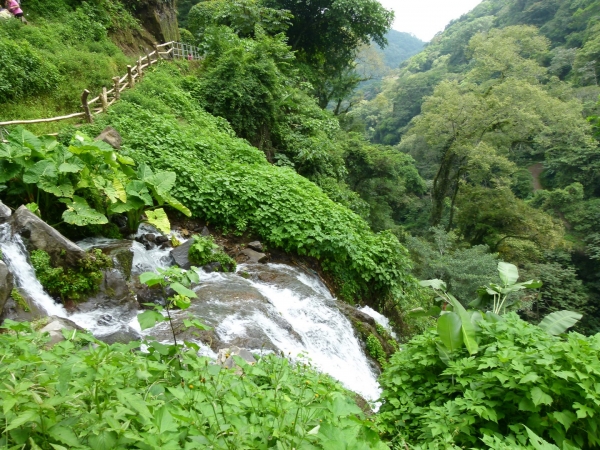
(99, 104)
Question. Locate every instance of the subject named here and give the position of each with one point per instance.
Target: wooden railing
(101, 103)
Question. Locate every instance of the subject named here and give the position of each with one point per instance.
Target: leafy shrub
(71, 283)
(105, 397)
(23, 71)
(375, 349)
(204, 251)
(520, 376)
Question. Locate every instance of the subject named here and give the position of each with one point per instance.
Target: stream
(263, 307)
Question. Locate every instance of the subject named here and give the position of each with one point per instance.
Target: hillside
(501, 94)
(400, 47)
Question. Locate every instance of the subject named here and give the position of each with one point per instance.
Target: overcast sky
(424, 18)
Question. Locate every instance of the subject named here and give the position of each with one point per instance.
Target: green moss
(375, 349)
(204, 251)
(19, 300)
(71, 283)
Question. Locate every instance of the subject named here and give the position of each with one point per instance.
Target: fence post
(130, 77)
(117, 84)
(156, 50)
(104, 99)
(148, 57)
(86, 107)
(139, 67)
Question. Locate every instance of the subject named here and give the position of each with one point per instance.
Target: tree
(326, 35)
(500, 113)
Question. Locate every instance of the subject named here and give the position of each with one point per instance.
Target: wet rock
(41, 236)
(5, 212)
(152, 294)
(111, 137)
(162, 239)
(114, 292)
(150, 237)
(55, 327)
(251, 256)
(121, 337)
(121, 253)
(225, 357)
(355, 314)
(212, 267)
(24, 310)
(256, 245)
(180, 254)
(6, 285)
(205, 232)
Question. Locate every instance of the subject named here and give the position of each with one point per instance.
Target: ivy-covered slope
(229, 183)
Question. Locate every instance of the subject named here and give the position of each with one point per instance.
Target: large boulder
(41, 236)
(20, 307)
(180, 254)
(111, 137)
(251, 256)
(6, 284)
(5, 212)
(55, 326)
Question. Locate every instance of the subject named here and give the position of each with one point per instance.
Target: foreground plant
(101, 397)
(521, 377)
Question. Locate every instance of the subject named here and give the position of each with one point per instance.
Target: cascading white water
(14, 255)
(300, 318)
(380, 319)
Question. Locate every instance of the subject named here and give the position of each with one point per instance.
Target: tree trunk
(441, 184)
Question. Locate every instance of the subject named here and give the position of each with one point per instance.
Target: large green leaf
(41, 169)
(509, 274)
(79, 213)
(64, 189)
(174, 203)
(131, 204)
(137, 188)
(144, 172)
(435, 284)
(449, 329)
(151, 278)
(558, 322)
(159, 219)
(20, 137)
(12, 152)
(148, 319)
(182, 290)
(467, 328)
(9, 170)
(162, 182)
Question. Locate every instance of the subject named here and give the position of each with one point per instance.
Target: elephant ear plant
(458, 327)
(177, 281)
(42, 173)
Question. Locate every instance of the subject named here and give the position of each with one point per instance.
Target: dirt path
(535, 171)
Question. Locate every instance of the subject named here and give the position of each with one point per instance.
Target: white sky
(424, 18)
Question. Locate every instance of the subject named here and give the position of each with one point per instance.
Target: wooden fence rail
(169, 50)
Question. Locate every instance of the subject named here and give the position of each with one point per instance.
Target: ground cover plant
(100, 397)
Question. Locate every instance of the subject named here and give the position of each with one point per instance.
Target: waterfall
(265, 307)
(15, 255)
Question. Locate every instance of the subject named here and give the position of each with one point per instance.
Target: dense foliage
(43, 174)
(521, 377)
(100, 397)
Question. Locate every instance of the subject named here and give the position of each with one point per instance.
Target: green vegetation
(521, 377)
(76, 395)
(73, 283)
(43, 172)
(375, 349)
(45, 67)
(204, 251)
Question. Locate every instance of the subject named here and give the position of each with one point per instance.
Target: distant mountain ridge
(401, 46)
